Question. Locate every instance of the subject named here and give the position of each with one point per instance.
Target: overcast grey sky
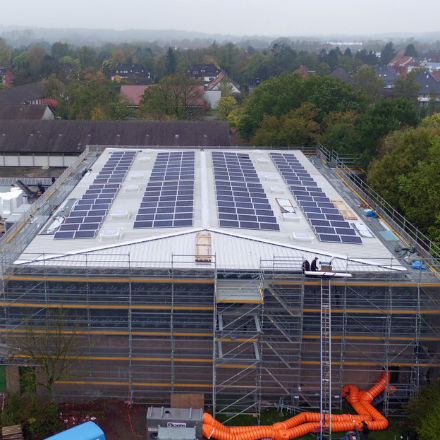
(238, 17)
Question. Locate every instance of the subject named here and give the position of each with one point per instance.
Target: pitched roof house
(31, 111)
(204, 72)
(430, 86)
(134, 73)
(6, 76)
(28, 94)
(387, 74)
(401, 64)
(342, 74)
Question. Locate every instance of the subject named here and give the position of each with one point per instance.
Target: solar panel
(329, 238)
(169, 196)
(291, 169)
(351, 239)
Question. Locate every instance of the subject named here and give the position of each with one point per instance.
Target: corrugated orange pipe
(307, 422)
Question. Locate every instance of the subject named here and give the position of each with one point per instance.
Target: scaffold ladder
(326, 360)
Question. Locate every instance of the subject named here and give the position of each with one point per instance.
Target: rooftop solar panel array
(325, 219)
(168, 200)
(241, 199)
(85, 220)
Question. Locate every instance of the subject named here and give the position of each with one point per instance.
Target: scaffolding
(246, 340)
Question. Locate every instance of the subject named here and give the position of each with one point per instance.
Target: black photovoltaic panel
(317, 207)
(241, 200)
(97, 199)
(168, 200)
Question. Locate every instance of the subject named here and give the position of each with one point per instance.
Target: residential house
(6, 76)
(303, 70)
(429, 87)
(401, 64)
(342, 74)
(133, 95)
(31, 111)
(204, 72)
(133, 73)
(388, 75)
(213, 90)
(27, 94)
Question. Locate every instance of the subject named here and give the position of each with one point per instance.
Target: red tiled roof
(303, 70)
(400, 60)
(133, 93)
(214, 82)
(436, 74)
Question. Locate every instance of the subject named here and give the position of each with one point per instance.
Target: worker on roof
(314, 267)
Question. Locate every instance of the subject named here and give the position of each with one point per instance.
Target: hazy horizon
(269, 18)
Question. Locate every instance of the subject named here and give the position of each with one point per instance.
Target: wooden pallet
(12, 432)
(344, 210)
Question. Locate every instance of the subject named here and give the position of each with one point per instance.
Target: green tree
(410, 51)
(384, 117)
(298, 128)
(60, 50)
(387, 54)
(171, 62)
(171, 98)
(5, 53)
(225, 106)
(366, 80)
(407, 87)
(423, 412)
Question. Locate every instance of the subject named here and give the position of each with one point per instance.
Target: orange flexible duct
(307, 422)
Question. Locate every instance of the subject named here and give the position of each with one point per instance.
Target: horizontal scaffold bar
(109, 279)
(104, 306)
(210, 335)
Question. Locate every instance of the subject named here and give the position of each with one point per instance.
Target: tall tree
(171, 62)
(407, 87)
(410, 51)
(387, 54)
(173, 98)
(5, 53)
(365, 79)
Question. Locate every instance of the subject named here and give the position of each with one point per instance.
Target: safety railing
(407, 231)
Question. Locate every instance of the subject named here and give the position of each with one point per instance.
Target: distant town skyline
(245, 17)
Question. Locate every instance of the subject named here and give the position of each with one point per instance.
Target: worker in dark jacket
(314, 264)
(306, 266)
(365, 430)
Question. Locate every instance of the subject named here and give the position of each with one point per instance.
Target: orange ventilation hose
(307, 422)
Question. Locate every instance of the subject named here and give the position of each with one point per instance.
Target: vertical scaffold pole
(326, 361)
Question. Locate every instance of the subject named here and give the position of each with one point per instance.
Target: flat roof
(240, 248)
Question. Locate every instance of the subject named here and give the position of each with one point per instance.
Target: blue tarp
(85, 431)
(372, 214)
(418, 265)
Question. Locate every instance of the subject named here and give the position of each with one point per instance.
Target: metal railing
(407, 231)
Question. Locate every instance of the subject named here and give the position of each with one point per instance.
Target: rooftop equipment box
(174, 418)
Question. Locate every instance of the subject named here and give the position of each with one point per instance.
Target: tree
(298, 127)
(384, 117)
(171, 62)
(423, 412)
(387, 54)
(407, 175)
(51, 344)
(60, 50)
(366, 80)
(410, 51)
(225, 106)
(278, 96)
(53, 87)
(172, 98)
(5, 53)
(407, 87)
